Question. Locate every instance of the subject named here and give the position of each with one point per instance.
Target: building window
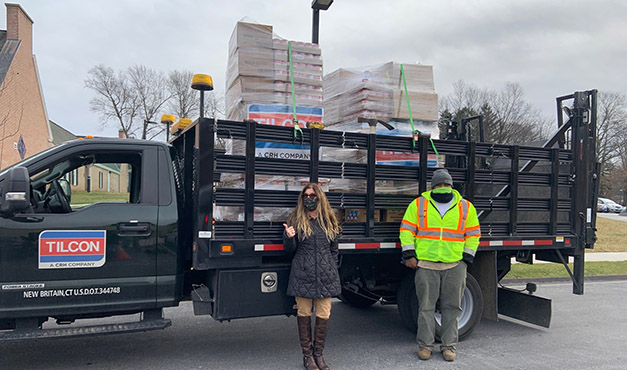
(100, 180)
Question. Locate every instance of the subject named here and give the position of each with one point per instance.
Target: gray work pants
(447, 286)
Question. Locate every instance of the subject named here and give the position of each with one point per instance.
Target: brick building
(24, 128)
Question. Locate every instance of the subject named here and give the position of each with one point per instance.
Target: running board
(525, 307)
(128, 327)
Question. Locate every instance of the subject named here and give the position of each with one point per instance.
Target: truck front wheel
(472, 306)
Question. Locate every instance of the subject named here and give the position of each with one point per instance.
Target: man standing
(439, 235)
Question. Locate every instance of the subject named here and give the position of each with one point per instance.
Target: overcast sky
(550, 47)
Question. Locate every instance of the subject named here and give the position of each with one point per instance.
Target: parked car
(611, 205)
(615, 207)
(601, 206)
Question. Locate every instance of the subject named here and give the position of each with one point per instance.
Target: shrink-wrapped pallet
(258, 71)
(378, 91)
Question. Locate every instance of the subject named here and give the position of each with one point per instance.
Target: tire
(408, 302)
(355, 300)
(472, 307)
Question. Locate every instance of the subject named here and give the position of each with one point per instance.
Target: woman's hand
(289, 231)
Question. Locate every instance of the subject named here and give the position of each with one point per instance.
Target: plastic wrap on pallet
(250, 63)
(418, 77)
(221, 213)
(280, 43)
(239, 109)
(285, 183)
(378, 92)
(231, 181)
(395, 158)
(250, 35)
(258, 71)
(396, 187)
(345, 155)
(271, 214)
(401, 127)
(347, 186)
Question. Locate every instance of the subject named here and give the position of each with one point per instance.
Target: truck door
(97, 252)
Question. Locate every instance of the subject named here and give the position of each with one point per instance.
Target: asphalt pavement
(614, 216)
(586, 332)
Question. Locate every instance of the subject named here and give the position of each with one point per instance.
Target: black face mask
(442, 197)
(310, 204)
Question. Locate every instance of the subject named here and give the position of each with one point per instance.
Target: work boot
(424, 353)
(449, 354)
(304, 333)
(320, 336)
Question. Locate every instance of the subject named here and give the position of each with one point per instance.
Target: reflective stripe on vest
(464, 214)
(422, 213)
(462, 208)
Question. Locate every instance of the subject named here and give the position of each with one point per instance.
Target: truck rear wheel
(472, 306)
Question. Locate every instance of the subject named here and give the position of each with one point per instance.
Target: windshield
(26, 162)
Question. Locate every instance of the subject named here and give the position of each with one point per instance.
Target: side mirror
(15, 191)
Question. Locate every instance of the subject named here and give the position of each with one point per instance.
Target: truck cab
(88, 229)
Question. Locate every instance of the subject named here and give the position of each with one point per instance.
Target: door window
(87, 179)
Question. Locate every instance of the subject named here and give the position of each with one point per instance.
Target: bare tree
(611, 151)
(508, 118)
(135, 97)
(184, 102)
(214, 105)
(151, 90)
(115, 99)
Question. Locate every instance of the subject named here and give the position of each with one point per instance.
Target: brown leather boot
(304, 333)
(320, 336)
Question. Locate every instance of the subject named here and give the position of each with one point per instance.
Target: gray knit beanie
(441, 176)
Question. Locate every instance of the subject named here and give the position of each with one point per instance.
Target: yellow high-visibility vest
(436, 238)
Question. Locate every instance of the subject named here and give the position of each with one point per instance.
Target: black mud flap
(525, 307)
(80, 331)
(202, 301)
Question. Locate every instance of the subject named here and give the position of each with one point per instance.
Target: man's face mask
(442, 195)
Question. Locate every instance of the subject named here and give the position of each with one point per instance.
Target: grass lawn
(521, 270)
(80, 197)
(611, 236)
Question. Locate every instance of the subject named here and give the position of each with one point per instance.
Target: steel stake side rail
(565, 200)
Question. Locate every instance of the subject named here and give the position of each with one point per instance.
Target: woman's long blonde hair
(299, 218)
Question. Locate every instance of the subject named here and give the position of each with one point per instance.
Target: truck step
(128, 327)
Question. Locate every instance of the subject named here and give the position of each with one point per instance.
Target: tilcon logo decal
(72, 249)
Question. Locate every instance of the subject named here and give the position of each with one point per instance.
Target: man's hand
(289, 231)
(412, 263)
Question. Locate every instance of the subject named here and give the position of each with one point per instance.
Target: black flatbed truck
(162, 244)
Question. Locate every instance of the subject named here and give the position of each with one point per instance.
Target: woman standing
(311, 230)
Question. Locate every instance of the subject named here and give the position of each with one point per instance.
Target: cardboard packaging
(297, 46)
(393, 215)
(359, 215)
(250, 35)
(250, 63)
(424, 105)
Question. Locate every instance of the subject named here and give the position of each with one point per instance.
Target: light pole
(317, 6)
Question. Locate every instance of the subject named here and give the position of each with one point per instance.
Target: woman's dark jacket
(314, 267)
